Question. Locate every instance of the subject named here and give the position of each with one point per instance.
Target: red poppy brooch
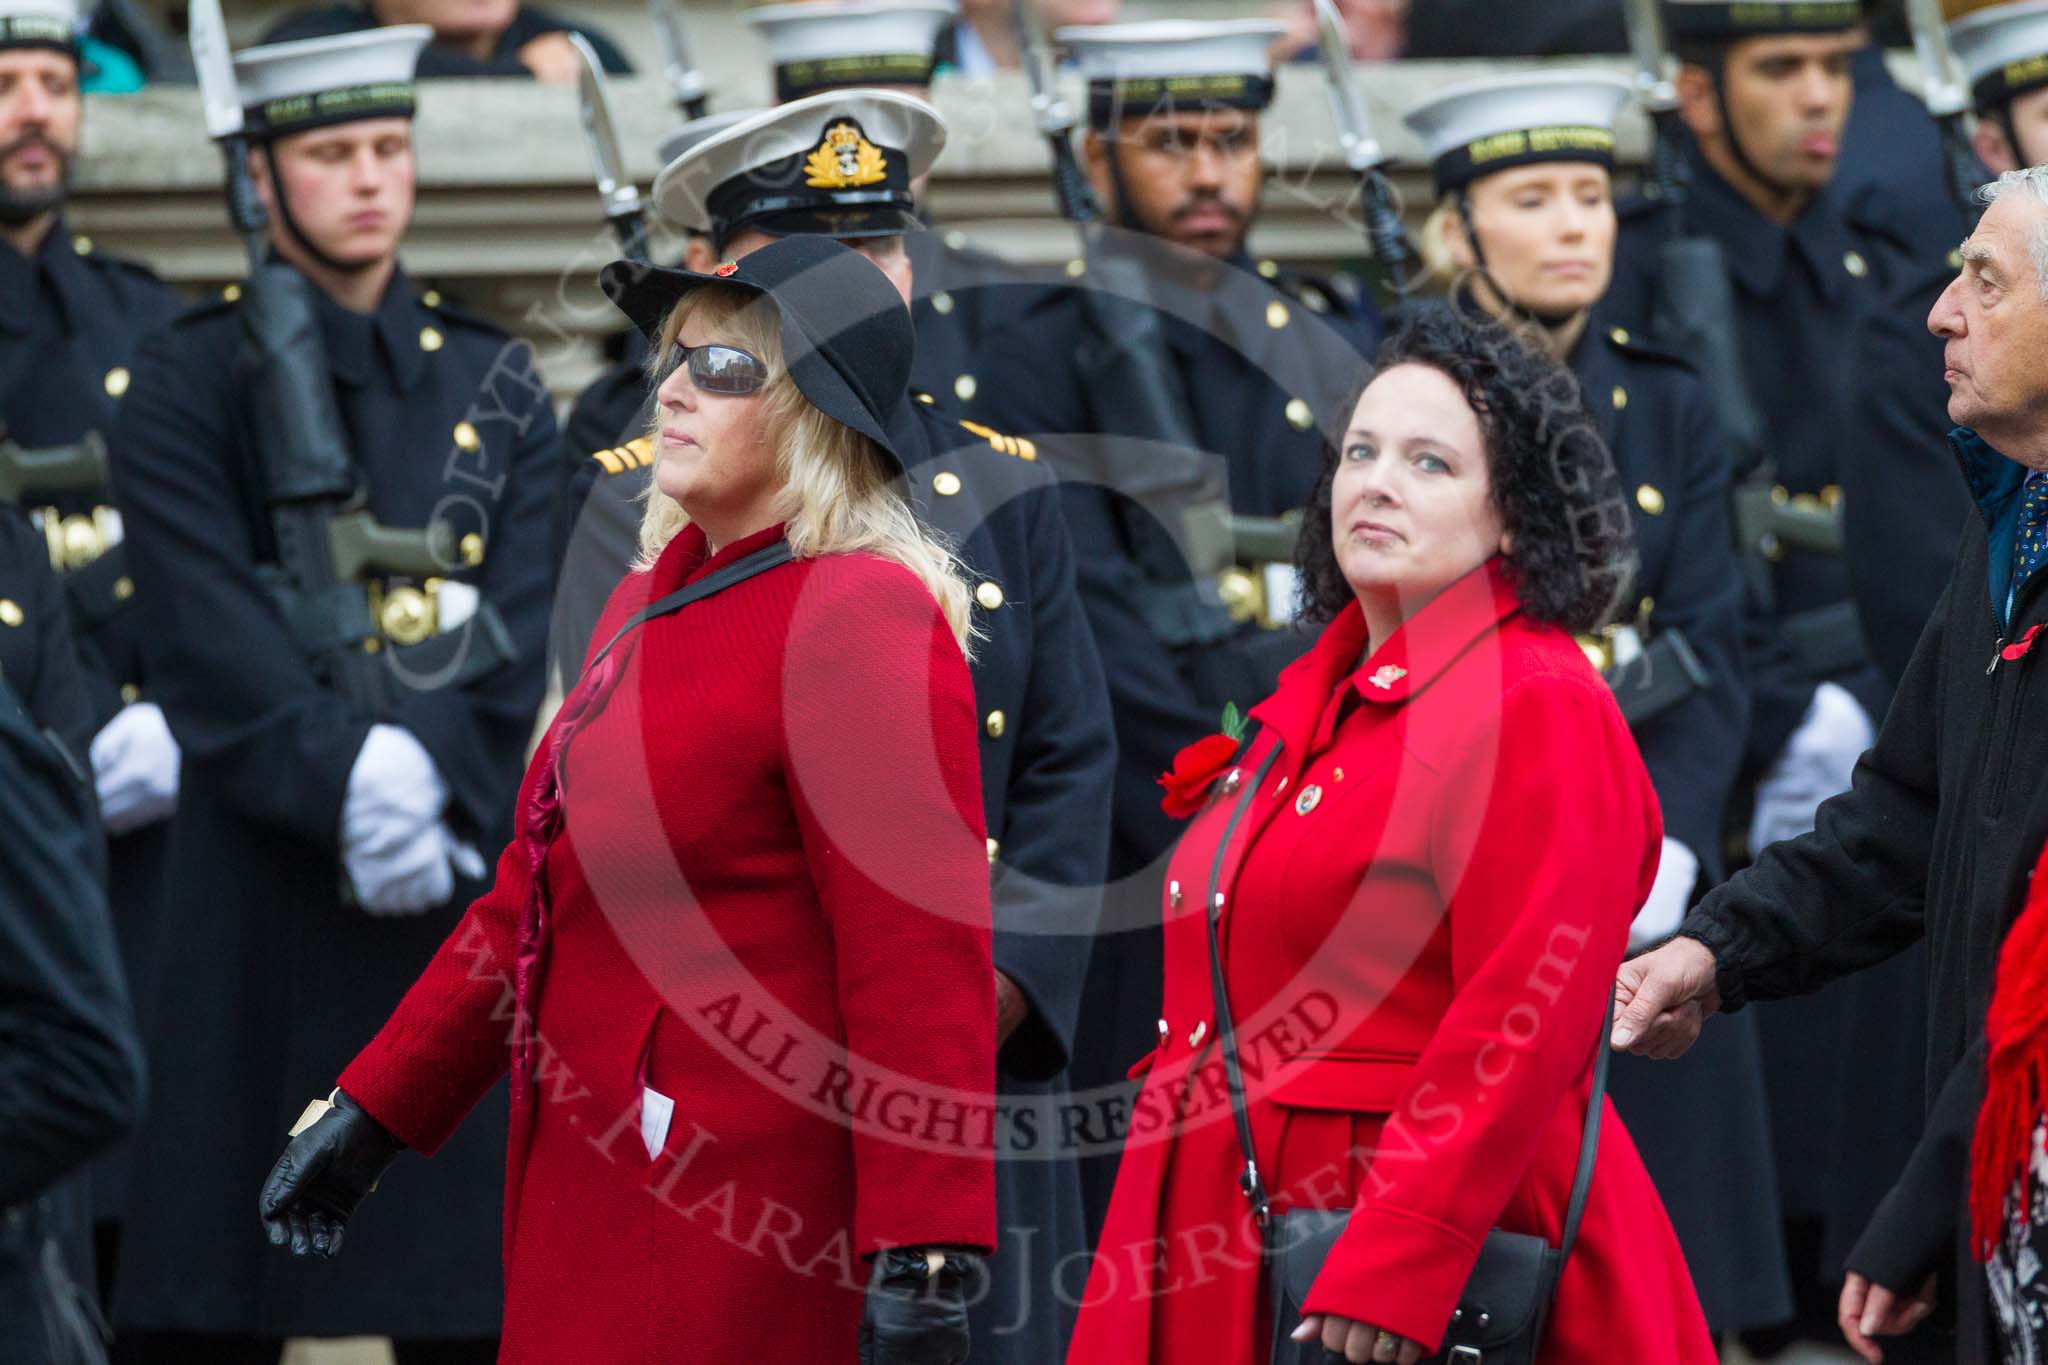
(1196, 768)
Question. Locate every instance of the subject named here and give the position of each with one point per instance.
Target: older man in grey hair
(1941, 830)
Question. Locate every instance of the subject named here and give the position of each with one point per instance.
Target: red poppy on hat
(726, 269)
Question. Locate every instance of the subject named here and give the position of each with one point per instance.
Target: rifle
(1399, 262)
(1948, 100)
(80, 467)
(326, 542)
(1123, 349)
(620, 196)
(684, 80)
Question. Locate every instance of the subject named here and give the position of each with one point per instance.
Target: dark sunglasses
(725, 370)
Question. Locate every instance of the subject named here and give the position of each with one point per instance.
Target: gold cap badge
(844, 159)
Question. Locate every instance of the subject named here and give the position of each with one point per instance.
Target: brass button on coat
(431, 339)
(942, 302)
(1650, 500)
(964, 387)
(1299, 416)
(1620, 398)
(1854, 263)
(995, 724)
(466, 437)
(10, 612)
(989, 595)
(472, 549)
(124, 588)
(1277, 315)
(117, 381)
(1619, 336)
(945, 483)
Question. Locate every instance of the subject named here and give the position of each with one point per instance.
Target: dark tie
(2030, 544)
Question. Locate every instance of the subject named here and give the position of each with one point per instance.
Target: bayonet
(1948, 100)
(620, 196)
(677, 63)
(1055, 120)
(1399, 262)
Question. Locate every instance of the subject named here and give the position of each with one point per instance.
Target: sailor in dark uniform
(327, 840)
(1766, 93)
(1525, 229)
(1249, 357)
(71, 316)
(841, 164)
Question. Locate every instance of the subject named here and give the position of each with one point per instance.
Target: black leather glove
(915, 1315)
(324, 1173)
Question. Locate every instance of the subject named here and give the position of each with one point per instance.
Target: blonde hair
(839, 489)
(1433, 244)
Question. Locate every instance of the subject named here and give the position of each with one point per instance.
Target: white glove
(1817, 763)
(1670, 894)
(135, 768)
(393, 843)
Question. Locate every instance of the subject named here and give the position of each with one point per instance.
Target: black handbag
(1500, 1316)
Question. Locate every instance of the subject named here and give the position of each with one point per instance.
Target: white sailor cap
(839, 44)
(39, 23)
(838, 164)
(1478, 127)
(291, 87)
(1173, 65)
(2003, 51)
(1729, 20)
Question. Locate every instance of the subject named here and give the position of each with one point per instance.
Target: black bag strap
(759, 562)
(1249, 1180)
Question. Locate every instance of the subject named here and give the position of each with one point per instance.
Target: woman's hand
(1357, 1341)
(916, 1311)
(323, 1175)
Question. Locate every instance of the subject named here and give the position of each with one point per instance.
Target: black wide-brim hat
(847, 338)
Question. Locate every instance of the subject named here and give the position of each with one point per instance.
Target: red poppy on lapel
(1194, 768)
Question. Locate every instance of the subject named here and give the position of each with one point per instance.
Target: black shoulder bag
(1501, 1315)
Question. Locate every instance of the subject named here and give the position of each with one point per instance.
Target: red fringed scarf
(2015, 1073)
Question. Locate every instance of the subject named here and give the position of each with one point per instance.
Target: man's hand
(1012, 1008)
(1662, 998)
(551, 60)
(1870, 1310)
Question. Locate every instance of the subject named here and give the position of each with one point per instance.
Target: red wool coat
(1422, 912)
(770, 905)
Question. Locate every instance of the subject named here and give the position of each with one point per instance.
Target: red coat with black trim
(770, 905)
(1421, 913)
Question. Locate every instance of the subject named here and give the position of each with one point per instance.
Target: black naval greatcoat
(271, 979)
(1047, 756)
(1935, 842)
(71, 1067)
(1800, 293)
(1659, 424)
(71, 318)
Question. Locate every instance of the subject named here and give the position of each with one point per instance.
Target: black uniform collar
(21, 278)
(1758, 249)
(387, 342)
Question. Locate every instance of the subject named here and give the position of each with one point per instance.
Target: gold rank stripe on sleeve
(636, 454)
(1007, 445)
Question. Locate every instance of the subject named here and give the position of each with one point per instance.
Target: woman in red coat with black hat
(738, 957)
(1425, 861)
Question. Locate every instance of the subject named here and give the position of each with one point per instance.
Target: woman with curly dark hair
(1416, 877)
(1526, 232)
